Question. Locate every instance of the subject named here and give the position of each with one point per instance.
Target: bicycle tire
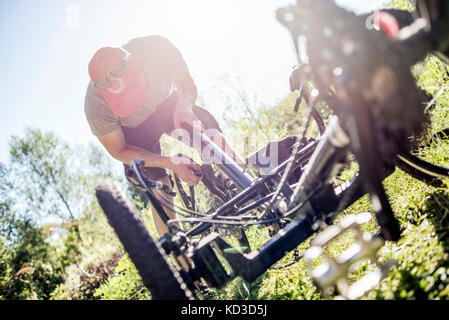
(422, 170)
(161, 279)
(429, 173)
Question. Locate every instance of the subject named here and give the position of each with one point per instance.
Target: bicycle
(314, 201)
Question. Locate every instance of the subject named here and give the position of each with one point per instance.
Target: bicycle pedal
(335, 271)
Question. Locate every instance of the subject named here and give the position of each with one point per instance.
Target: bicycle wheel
(429, 173)
(163, 281)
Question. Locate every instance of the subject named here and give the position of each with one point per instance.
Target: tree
(51, 181)
(47, 211)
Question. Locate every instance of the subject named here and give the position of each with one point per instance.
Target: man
(136, 94)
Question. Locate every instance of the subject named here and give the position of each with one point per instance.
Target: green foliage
(401, 4)
(261, 124)
(49, 178)
(50, 223)
(40, 171)
(30, 270)
(124, 284)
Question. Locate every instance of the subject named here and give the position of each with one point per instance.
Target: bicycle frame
(211, 153)
(250, 190)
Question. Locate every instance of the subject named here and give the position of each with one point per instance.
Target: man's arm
(186, 88)
(117, 147)
(187, 95)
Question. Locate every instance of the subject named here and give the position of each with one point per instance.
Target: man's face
(124, 85)
(112, 80)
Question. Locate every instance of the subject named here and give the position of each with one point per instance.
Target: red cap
(388, 23)
(126, 94)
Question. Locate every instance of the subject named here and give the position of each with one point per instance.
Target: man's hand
(184, 113)
(186, 168)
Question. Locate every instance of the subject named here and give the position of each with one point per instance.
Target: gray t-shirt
(162, 63)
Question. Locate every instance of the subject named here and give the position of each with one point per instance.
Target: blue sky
(46, 46)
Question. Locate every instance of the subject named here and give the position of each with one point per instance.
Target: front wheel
(163, 281)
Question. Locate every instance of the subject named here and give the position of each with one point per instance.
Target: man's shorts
(148, 134)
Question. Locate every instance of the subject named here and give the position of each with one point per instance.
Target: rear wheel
(163, 281)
